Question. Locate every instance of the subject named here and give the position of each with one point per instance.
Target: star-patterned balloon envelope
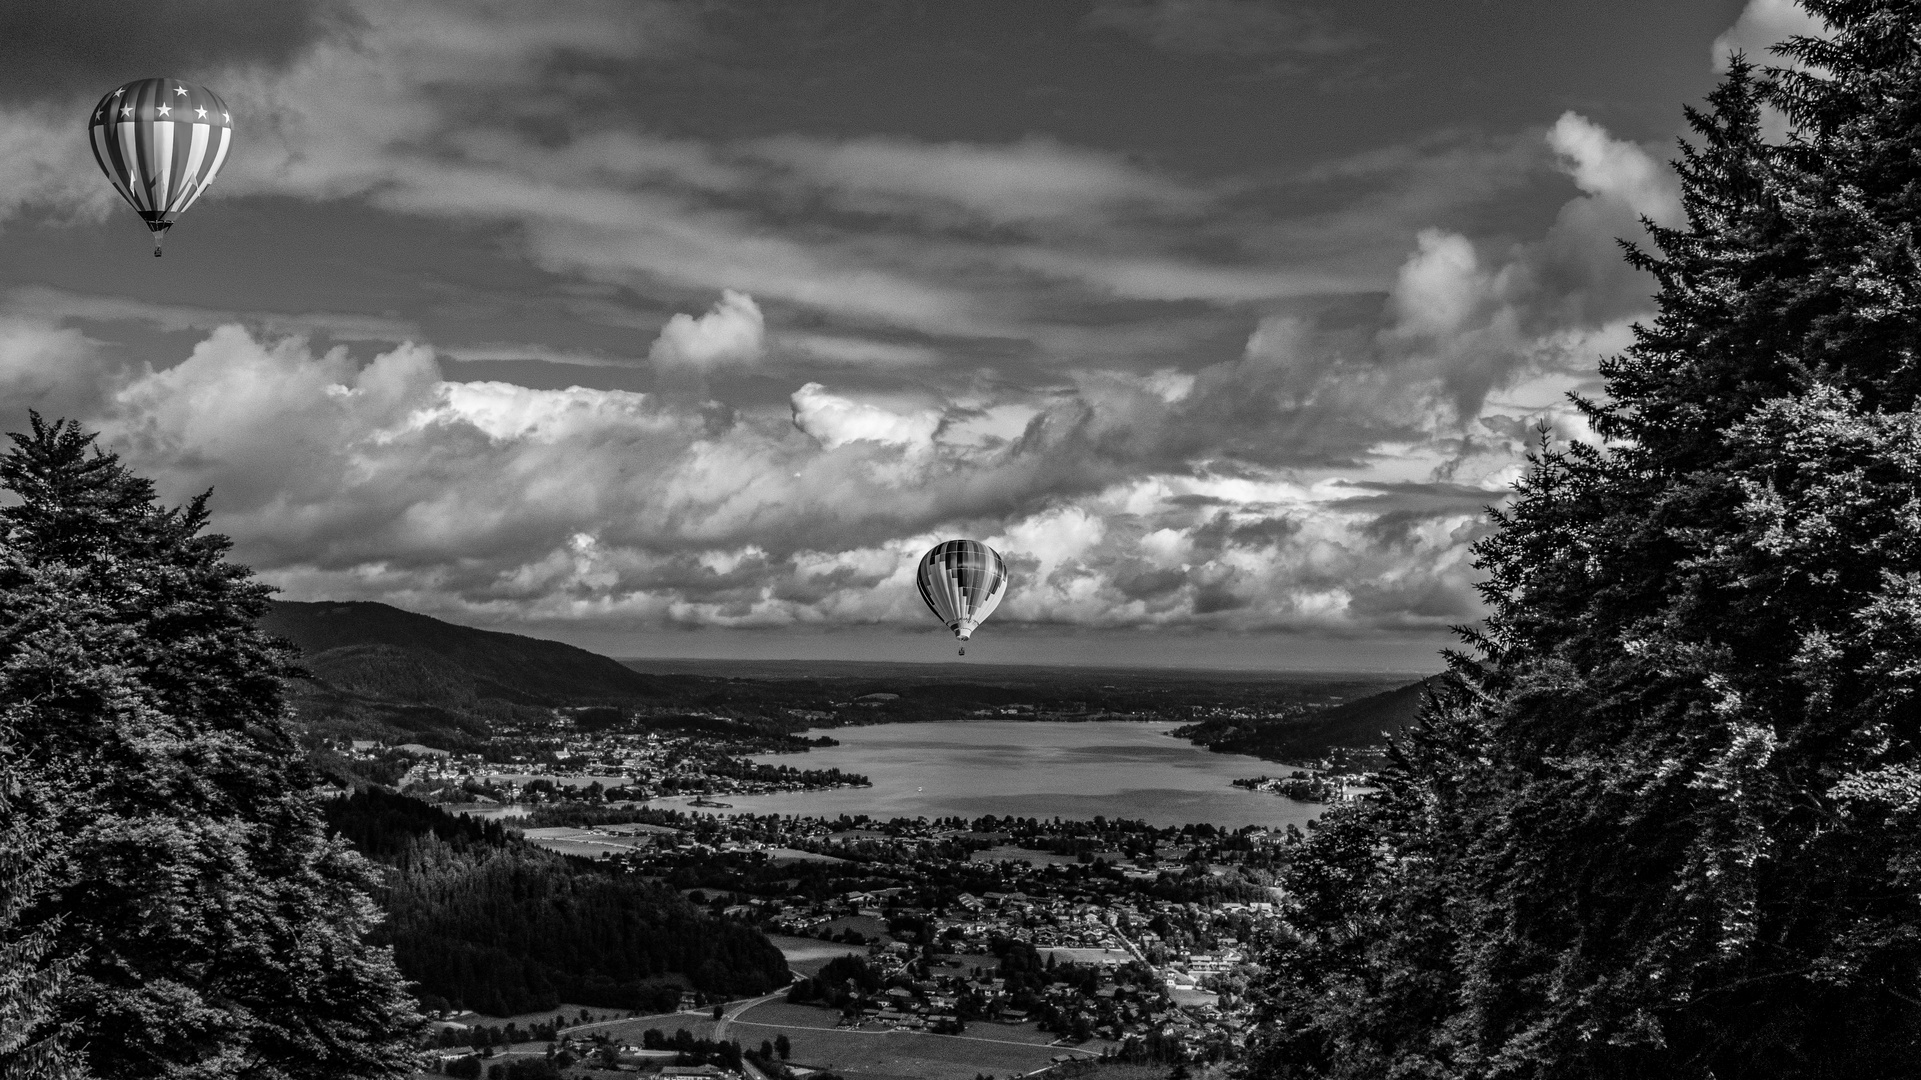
(161, 142)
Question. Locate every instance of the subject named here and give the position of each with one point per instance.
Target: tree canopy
(1662, 820)
(214, 928)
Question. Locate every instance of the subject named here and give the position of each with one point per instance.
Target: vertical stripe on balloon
(128, 131)
(103, 153)
(162, 135)
(190, 170)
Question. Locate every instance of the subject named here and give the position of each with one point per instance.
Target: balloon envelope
(962, 582)
(161, 142)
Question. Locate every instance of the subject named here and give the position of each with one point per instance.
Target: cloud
(864, 352)
(1441, 285)
(733, 332)
(835, 421)
(1271, 402)
(1762, 25)
(59, 304)
(497, 351)
(1031, 180)
(1611, 169)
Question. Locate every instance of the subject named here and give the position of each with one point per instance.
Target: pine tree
(1664, 821)
(31, 979)
(217, 930)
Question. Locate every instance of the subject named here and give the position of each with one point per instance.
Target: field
(868, 1053)
(1087, 956)
(781, 856)
(874, 1053)
(591, 843)
(865, 925)
(1006, 853)
(808, 955)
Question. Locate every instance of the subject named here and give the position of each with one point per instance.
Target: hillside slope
(382, 650)
(387, 674)
(1356, 724)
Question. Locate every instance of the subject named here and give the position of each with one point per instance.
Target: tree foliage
(31, 977)
(214, 927)
(1663, 822)
(494, 924)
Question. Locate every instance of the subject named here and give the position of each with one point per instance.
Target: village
(1107, 940)
(559, 761)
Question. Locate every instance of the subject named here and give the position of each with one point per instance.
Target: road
(732, 1012)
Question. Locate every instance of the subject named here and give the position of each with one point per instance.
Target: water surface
(1119, 769)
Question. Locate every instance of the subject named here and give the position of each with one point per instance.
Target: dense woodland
(1307, 736)
(1663, 820)
(483, 921)
(172, 903)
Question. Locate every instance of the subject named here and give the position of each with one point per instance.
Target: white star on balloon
(181, 90)
(227, 118)
(201, 113)
(165, 110)
(126, 110)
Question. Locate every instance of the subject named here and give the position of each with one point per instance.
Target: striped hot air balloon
(161, 142)
(963, 582)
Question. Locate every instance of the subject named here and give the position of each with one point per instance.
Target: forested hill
(483, 921)
(383, 673)
(375, 648)
(1362, 722)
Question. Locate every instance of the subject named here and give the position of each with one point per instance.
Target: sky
(684, 328)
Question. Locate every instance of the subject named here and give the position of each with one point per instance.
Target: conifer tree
(31, 978)
(216, 930)
(1663, 822)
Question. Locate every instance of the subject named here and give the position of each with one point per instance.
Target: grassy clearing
(808, 955)
(1007, 853)
(874, 1053)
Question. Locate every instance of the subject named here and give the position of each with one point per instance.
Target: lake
(1120, 769)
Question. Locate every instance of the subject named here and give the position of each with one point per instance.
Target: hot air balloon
(161, 142)
(963, 582)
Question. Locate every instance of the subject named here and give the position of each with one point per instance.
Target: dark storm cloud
(57, 50)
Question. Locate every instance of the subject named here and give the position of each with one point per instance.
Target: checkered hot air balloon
(161, 142)
(963, 582)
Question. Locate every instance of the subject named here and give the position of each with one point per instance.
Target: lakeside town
(1116, 940)
(601, 754)
(1096, 940)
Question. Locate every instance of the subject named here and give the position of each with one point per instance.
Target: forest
(1660, 820)
(481, 920)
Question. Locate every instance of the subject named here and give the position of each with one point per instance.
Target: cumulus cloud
(835, 421)
(733, 332)
(1762, 25)
(1615, 170)
(343, 477)
(1168, 404)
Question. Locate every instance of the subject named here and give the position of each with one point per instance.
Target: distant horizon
(1018, 646)
(1013, 645)
(1302, 673)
